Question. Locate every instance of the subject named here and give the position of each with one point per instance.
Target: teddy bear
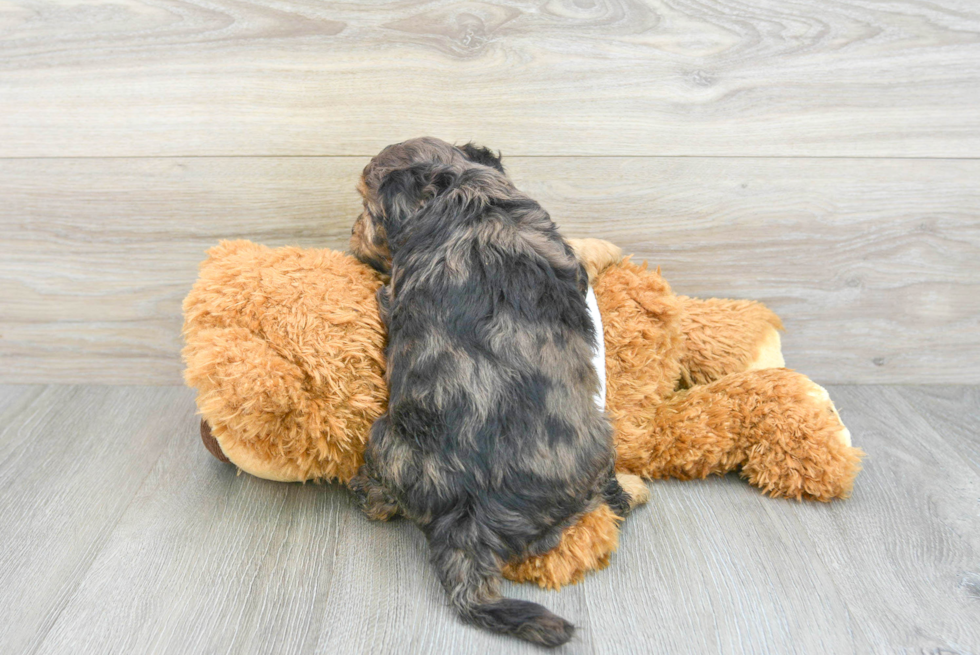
(286, 351)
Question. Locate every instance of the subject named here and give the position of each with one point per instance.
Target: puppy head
(399, 181)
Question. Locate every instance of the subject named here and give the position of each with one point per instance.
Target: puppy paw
(635, 488)
(596, 255)
(373, 499)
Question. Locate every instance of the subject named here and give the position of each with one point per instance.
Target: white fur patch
(598, 349)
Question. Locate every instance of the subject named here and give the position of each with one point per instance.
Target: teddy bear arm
(727, 336)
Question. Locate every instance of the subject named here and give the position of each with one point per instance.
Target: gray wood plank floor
(120, 534)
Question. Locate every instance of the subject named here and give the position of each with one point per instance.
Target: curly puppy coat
(492, 442)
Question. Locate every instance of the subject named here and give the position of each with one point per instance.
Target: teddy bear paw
(820, 396)
(596, 255)
(769, 352)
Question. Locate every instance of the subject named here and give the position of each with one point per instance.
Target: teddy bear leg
(777, 426)
(585, 546)
(728, 336)
(596, 255)
(801, 449)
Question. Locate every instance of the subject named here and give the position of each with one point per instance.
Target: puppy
(492, 442)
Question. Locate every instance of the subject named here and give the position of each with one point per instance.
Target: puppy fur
(492, 442)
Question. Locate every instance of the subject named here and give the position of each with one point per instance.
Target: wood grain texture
(194, 558)
(533, 77)
(920, 557)
(71, 459)
(954, 411)
(874, 265)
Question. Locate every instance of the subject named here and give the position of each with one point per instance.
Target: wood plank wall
(821, 156)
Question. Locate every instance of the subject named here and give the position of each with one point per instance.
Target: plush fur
(492, 441)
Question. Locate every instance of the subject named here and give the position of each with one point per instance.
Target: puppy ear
(404, 191)
(481, 155)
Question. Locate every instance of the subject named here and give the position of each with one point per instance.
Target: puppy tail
(471, 578)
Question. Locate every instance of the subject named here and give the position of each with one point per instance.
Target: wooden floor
(122, 535)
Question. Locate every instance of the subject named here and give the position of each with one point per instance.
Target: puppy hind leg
(622, 492)
(372, 497)
(635, 488)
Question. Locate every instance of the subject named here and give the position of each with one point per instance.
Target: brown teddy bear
(286, 351)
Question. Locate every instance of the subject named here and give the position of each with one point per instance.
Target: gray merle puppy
(492, 442)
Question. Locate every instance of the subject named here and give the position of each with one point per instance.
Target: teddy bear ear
(482, 155)
(404, 191)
